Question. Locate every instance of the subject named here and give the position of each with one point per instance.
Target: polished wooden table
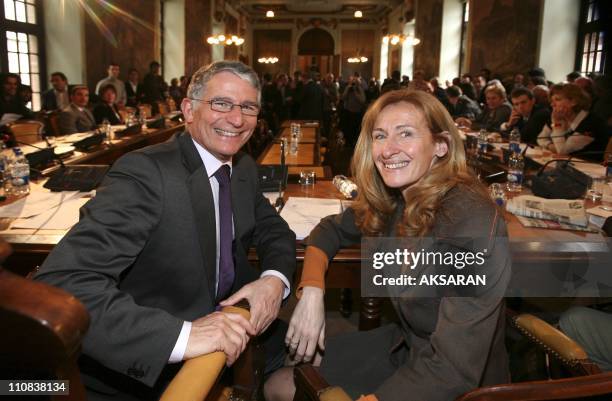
(307, 155)
(309, 135)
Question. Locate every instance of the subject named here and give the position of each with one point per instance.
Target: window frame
(586, 28)
(37, 29)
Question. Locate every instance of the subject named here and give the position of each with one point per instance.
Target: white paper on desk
(61, 217)
(37, 202)
(303, 214)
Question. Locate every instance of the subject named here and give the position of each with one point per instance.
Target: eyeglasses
(223, 106)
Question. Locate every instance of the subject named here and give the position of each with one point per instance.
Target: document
(36, 203)
(61, 217)
(559, 210)
(303, 214)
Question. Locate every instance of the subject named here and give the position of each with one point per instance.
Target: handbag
(562, 182)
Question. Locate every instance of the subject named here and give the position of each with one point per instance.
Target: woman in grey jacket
(415, 186)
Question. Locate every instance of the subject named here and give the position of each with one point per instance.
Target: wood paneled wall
(272, 42)
(354, 41)
(504, 35)
(198, 27)
(134, 44)
(428, 28)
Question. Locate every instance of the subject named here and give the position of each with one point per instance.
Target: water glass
(307, 177)
(596, 189)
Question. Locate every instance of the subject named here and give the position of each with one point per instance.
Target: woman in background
(572, 129)
(106, 109)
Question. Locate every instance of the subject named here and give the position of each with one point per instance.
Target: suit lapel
(203, 207)
(239, 177)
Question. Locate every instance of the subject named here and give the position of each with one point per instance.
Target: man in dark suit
(165, 241)
(56, 98)
(526, 115)
(133, 88)
(77, 117)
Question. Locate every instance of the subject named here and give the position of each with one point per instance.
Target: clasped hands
(229, 332)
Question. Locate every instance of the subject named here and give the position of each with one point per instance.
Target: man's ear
(442, 145)
(187, 109)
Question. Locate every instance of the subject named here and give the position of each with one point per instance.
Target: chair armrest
(311, 386)
(198, 375)
(555, 342)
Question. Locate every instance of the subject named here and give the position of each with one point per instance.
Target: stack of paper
(303, 214)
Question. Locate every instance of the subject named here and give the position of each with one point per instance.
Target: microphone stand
(280, 202)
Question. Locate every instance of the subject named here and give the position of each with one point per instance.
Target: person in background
(153, 86)
(526, 116)
(410, 167)
(354, 105)
(373, 91)
(541, 94)
(496, 112)
(107, 109)
(164, 245)
(438, 92)
(391, 83)
(133, 88)
(405, 81)
(480, 84)
(330, 101)
(175, 91)
(311, 106)
(572, 129)
(57, 97)
(592, 329)
(572, 76)
(11, 105)
(25, 94)
(467, 86)
(113, 79)
(77, 117)
(460, 105)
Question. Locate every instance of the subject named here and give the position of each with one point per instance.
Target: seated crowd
(80, 110)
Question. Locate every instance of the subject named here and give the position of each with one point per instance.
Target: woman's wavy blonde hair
(376, 203)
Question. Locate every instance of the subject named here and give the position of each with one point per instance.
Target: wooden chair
(41, 333)
(26, 131)
(555, 344)
(310, 386)
(163, 108)
(197, 378)
(588, 381)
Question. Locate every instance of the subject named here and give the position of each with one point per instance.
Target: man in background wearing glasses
(164, 244)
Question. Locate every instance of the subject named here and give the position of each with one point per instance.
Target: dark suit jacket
(49, 102)
(133, 98)
(311, 106)
(72, 120)
(455, 343)
(142, 258)
(531, 128)
(103, 111)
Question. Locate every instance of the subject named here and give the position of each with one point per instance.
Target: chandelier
(361, 59)
(226, 40)
(397, 39)
(267, 60)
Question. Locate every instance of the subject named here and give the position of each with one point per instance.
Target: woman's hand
(307, 326)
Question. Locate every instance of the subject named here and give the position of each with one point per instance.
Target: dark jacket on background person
(465, 107)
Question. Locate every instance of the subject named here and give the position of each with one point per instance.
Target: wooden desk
(303, 123)
(107, 154)
(309, 135)
(307, 155)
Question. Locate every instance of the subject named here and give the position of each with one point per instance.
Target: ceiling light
(267, 60)
(358, 14)
(397, 39)
(227, 39)
(270, 14)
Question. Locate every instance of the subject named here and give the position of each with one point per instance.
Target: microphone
(280, 202)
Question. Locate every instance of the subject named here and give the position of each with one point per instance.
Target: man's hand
(264, 296)
(515, 117)
(226, 332)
